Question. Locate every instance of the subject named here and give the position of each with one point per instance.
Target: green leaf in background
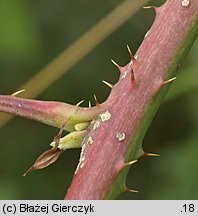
(19, 36)
(187, 79)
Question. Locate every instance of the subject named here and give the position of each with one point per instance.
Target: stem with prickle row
(115, 138)
(111, 133)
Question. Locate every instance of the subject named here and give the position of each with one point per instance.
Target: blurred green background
(34, 32)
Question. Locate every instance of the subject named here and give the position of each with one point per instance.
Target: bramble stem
(133, 102)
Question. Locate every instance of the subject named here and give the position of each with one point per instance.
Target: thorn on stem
(18, 92)
(152, 7)
(130, 163)
(162, 83)
(121, 69)
(134, 62)
(116, 64)
(150, 154)
(168, 81)
(79, 103)
(131, 54)
(89, 104)
(148, 7)
(96, 100)
(131, 190)
(120, 165)
(108, 84)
